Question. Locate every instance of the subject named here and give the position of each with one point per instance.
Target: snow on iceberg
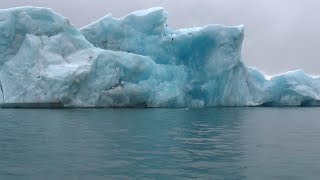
(134, 61)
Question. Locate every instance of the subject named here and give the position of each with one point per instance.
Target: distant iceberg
(134, 61)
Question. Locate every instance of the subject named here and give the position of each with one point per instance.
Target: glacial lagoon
(212, 143)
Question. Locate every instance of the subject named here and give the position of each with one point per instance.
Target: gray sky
(280, 35)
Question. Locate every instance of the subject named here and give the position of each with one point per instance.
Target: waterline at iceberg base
(134, 61)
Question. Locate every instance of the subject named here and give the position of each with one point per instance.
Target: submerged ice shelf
(134, 61)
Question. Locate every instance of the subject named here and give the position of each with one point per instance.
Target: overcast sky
(280, 35)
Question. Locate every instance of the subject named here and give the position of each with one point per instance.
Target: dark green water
(218, 143)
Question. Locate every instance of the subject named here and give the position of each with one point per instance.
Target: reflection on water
(218, 143)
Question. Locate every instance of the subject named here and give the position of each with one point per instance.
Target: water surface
(216, 143)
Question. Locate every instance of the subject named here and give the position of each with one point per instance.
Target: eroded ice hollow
(134, 61)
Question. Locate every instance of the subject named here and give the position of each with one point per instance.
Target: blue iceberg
(134, 61)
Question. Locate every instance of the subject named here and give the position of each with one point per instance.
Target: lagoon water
(214, 143)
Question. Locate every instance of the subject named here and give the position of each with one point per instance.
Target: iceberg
(134, 61)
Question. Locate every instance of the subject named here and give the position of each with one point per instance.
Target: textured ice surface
(135, 61)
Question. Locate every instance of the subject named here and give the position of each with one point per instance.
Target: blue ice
(135, 61)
